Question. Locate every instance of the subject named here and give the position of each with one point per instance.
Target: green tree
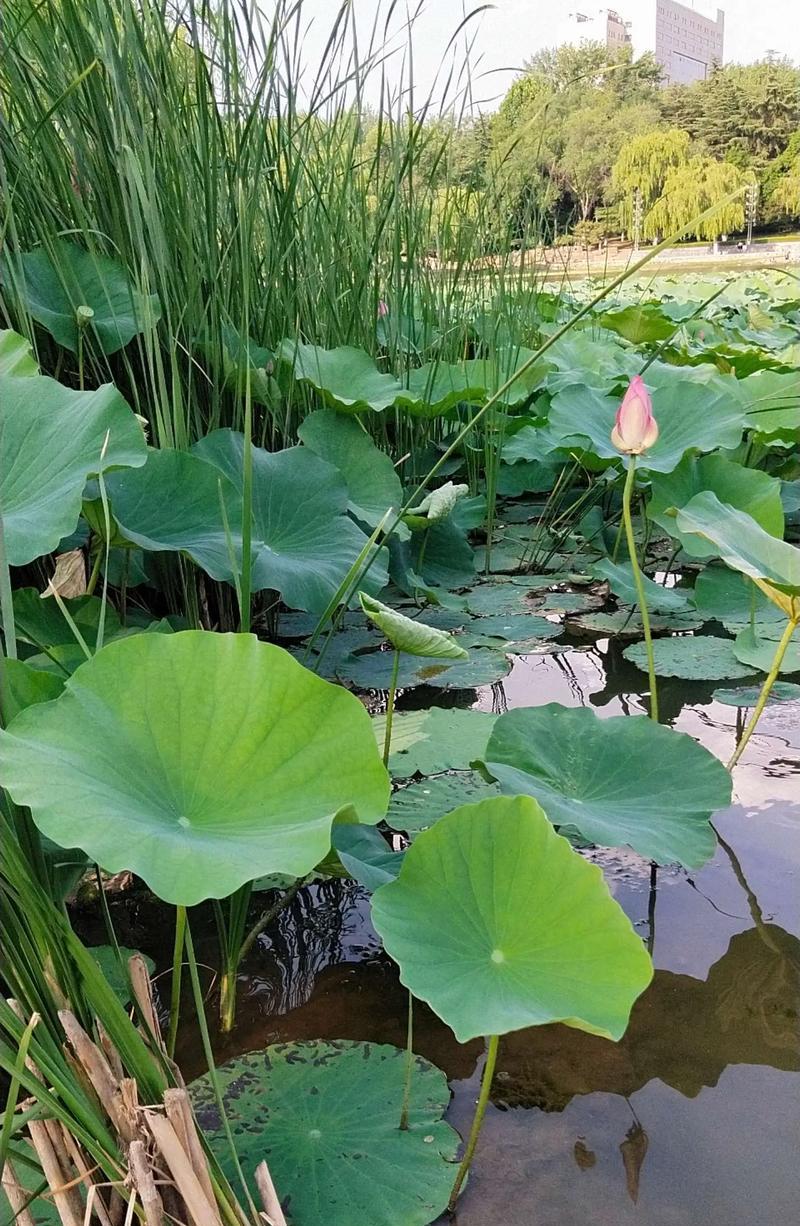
(690, 189)
(643, 164)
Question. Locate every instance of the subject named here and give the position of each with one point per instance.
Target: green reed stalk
(480, 1112)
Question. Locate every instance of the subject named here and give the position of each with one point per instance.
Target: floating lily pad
(373, 670)
(325, 1118)
(698, 657)
(198, 761)
(627, 623)
(498, 598)
(515, 627)
(748, 695)
(498, 924)
(419, 805)
(446, 738)
(619, 781)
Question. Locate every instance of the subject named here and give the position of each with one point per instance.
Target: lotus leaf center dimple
(498, 955)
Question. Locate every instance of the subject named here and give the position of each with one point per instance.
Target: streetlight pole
(750, 198)
(637, 218)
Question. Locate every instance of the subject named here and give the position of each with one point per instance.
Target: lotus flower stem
(480, 1111)
(175, 991)
(409, 1066)
(637, 579)
(387, 739)
(766, 688)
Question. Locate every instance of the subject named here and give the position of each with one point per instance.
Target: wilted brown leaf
(69, 577)
(586, 1158)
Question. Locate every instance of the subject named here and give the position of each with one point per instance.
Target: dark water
(694, 1117)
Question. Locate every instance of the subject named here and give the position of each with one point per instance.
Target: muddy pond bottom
(694, 1116)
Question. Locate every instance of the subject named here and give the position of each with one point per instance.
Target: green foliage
(199, 761)
(486, 907)
(411, 637)
(692, 188)
(16, 357)
(643, 164)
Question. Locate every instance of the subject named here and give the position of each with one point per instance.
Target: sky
(509, 32)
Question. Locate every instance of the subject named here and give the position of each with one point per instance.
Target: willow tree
(643, 164)
(786, 193)
(692, 188)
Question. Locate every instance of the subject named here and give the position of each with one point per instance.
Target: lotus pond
(435, 738)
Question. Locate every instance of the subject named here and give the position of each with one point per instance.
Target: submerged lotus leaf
(744, 545)
(324, 1116)
(372, 482)
(198, 761)
(419, 805)
(619, 781)
(691, 415)
(756, 648)
(498, 924)
(52, 290)
(52, 439)
(696, 657)
(410, 636)
(747, 489)
(16, 355)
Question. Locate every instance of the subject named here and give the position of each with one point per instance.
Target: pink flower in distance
(382, 309)
(635, 429)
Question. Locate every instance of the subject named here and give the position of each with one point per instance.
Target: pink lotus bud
(635, 429)
(382, 309)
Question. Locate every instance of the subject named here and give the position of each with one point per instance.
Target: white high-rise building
(596, 25)
(686, 39)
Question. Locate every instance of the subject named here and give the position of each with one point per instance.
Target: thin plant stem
(637, 579)
(387, 739)
(175, 991)
(775, 668)
(480, 1111)
(409, 1066)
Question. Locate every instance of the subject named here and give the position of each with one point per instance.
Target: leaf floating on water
(634, 1152)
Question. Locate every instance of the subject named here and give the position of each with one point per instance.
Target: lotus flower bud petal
(635, 429)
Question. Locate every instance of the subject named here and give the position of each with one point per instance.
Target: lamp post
(637, 218)
(750, 200)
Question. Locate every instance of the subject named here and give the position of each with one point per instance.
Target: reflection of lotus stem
(177, 966)
(409, 1065)
(387, 740)
(480, 1111)
(775, 668)
(637, 579)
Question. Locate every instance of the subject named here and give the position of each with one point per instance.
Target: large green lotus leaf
(52, 290)
(304, 542)
(622, 780)
(346, 378)
(26, 686)
(772, 400)
(498, 598)
(372, 482)
(52, 439)
(16, 355)
(498, 924)
(365, 854)
(373, 670)
(410, 636)
(691, 416)
(730, 597)
(437, 387)
(660, 599)
(701, 657)
(419, 805)
(757, 649)
(445, 738)
(747, 489)
(638, 324)
(198, 761)
(407, 729)
(742, 543)
(748, 695)
(581, 359)
(324, 1116)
